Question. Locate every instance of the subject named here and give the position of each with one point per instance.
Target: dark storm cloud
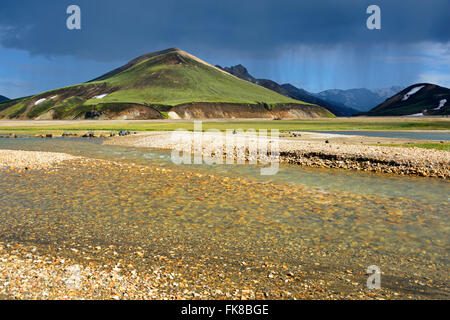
(124, 29)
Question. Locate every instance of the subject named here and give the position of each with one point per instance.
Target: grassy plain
(337, 124)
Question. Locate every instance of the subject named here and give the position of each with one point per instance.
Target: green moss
(40, 109)
(15, 110)
(68, 108)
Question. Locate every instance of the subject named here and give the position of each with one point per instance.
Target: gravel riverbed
(33, 160)
(95, 229)
(396, 160)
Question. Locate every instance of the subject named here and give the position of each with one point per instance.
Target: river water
(326, 225)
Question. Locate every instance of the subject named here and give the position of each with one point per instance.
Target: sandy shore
(318, 150)
(17, 159)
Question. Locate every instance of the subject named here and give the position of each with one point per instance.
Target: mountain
(3, 98)
(361, 99)
(239, 71)
(336, 108)
(417, 100)
(169, 83)
(386, 93)
(290, 91)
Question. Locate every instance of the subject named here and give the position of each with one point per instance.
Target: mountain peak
(144, 57)
(417, 100)
(239, 71)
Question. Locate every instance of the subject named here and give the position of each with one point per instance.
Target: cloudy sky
(316, 45)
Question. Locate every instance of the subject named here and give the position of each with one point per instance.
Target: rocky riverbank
(100, 229)
(403, 161)
(318, 153)
(113, 236)
(31, 160)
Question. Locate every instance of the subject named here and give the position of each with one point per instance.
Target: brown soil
(232, 111)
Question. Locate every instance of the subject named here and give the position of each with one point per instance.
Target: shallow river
(231, 226)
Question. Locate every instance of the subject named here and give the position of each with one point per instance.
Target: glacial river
(327, 226)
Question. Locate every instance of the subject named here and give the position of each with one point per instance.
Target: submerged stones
(11, 135)
(137, 232)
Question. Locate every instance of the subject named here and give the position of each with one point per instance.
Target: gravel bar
(33, 160)
(396, 160)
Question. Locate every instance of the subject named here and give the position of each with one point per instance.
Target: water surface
(227, 227)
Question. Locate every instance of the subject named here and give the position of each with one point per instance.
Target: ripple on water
(202, 217)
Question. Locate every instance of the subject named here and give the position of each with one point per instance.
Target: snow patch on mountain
(40, 101)
(441, 104)
(416, 115)
(411, 92)
(100, 96)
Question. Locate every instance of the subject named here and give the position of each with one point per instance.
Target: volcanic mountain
(417, 100)
(165, 84)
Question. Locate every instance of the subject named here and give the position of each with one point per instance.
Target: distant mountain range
(165, 84)
(361, 99)
(417, 100)
(290, 91)
(3, 98)
(339, 102)
(336, 108)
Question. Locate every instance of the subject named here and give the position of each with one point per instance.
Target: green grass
(282, 125)
(41, 108)
(437, 146)
(68, 107)
(15, 110)
(170, 83)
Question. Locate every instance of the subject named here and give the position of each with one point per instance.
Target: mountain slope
(290, 91)
(3, 98)
(418, 99)
(156, 85)
(386, 93)
(361, 99)
(336, 108)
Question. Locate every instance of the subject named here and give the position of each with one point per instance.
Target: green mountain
(420, 99)
(169, 83)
